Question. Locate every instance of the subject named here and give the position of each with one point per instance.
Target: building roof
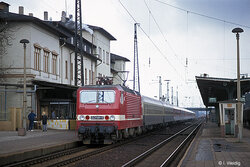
(115, 57)
(54, 27)
(102, 31)
(213, 90)
(13, 17)
(69, 27)
(4, 6)
(4, 3)
(53, 84)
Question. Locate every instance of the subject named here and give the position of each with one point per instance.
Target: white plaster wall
(119, 66)
(46, 39)
(104, 43)
(64, 52)
(15, 53)
(86, 35)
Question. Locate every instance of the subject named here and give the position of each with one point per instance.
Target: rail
(142, 156)
(168, 161)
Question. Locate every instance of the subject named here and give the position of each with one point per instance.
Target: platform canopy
(213, 90)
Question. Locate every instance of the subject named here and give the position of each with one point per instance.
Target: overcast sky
(181, 38)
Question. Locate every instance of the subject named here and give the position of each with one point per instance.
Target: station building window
(54, 63)
(86, 77)
(103, 56)
(100, 53)
(46, 60)
(107, 58)
(90, 78)
(59, 110)
(71, 71)
(66, 69)
(37, 58)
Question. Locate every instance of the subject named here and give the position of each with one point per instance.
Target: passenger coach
(107, 113)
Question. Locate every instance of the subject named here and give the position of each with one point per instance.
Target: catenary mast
(79, 75)
(136, 77)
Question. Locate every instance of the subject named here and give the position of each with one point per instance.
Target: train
(108, 113)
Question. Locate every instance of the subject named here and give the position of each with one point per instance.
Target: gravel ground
(122, 154)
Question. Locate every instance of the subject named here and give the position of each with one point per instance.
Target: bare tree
(7, 35)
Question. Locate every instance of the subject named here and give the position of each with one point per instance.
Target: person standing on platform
(53, 115)
(31, 117)
(44, 121)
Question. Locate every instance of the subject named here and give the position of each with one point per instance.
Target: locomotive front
(97, 114)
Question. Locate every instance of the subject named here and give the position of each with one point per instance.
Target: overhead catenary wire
(209, 17)
(154, 44)
(202, 15)
(164, 37)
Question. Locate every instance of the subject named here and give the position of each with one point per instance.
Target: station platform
(34, 143)
(209, 149)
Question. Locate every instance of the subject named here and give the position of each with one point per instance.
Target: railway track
(69, 156)
(90, 152)
(74, 156)
(49, 157)
(166, 152)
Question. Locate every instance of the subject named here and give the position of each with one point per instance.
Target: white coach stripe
(102, 118)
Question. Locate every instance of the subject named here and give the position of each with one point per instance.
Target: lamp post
(24, 42)
(239, 121)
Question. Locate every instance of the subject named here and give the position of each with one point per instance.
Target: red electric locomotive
(106, 113)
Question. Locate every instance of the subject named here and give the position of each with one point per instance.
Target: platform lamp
(239, 112)
(24, 42)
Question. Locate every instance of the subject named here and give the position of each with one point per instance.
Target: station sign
(212, 100)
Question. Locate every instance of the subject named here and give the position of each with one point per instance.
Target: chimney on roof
(31, 14)
(70, 17)
(4, 7)
(21, 10)
(63, 17)
(45, 16)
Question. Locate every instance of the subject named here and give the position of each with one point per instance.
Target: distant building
(118, 69)
(50, 63)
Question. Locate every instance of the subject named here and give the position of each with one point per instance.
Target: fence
(5, 116)
(11, 120)
(10, 115)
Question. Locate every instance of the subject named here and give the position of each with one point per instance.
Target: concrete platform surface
(209, 149)
(34, 143)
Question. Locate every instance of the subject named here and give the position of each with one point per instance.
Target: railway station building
(50, 64)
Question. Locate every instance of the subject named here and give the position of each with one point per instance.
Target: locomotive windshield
(97, 96)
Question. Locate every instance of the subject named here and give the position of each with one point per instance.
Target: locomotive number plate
(97, 117)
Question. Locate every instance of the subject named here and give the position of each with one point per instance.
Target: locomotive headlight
(81, 117)
(112, 117)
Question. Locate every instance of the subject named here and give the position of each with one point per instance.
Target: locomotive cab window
(97, 96)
